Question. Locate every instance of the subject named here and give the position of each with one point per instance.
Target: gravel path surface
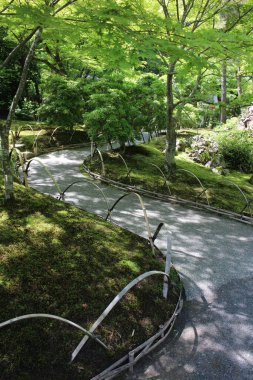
(213, 338)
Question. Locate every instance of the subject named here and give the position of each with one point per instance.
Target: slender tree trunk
(239, 81)
(171, 135)
(223, 111)
(19, 47)
(37, 92)
(6, 167)
(5, 129)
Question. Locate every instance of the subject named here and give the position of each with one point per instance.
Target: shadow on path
(210, 341)
(213, 338)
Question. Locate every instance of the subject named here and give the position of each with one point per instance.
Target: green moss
(60, 260)
(140, 160)
(129, 264)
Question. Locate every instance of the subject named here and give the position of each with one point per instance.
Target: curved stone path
(213, 337)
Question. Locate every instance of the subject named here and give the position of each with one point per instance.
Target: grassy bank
(141, 159)
(60, 260)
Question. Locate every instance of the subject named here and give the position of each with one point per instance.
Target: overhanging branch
(64, 6)
(6, 7)
(18, 47)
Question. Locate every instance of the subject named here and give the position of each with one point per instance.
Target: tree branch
(187, 10)
(163, 59)
(57, 59)
(6, 7)
(64, 6)
(215, 12)
(178, 15)
(238, 20)
(54, 2)
(251, 29)
(23, 77)
(49, 64)
(200, 14)
(18, 47)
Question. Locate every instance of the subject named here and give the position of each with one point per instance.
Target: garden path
(213, 337)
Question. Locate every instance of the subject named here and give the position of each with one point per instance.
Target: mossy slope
(60, 260)
(221, 192)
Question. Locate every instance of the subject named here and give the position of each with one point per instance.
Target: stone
(219, 170)
(208, 164)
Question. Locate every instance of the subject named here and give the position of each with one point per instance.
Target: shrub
(231, 124)
(63, 103)
(237, 150)
(27, 111)
(187, 116)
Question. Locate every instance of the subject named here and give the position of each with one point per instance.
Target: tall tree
(186, 32)
(37, 18)
(223, 108)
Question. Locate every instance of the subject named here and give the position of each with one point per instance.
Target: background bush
(62, 103)
(237, 150)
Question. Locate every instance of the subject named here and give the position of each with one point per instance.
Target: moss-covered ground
(221, 192)
(38, 137)
(60, 260)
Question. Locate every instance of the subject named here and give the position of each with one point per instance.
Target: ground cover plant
(60, 260)
(25, 133)
(140, 160)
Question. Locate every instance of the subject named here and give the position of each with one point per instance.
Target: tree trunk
(239, 81)
(5, 130)
(37, 91)
(6, 163)
(223, 111)
(171, 136)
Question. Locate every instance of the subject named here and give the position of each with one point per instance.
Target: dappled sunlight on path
(211, 341)
(214, 255)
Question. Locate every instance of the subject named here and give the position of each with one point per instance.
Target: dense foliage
(121, 66)
(237, 149)
(62, 103)
(118, 108)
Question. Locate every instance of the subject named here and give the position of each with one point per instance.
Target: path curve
(213, 338)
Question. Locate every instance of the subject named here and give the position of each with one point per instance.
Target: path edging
(170, 199)
(128, 361)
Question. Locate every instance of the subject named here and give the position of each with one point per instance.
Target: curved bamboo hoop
(144, 212)
(85, 181)
(113, 303)
(194, 175)
(167, 198)
(130, 359)
(247, 205)
(51, 316)
(163, 175)
(35, 142)
(53, 134)
(101, 159)
(126, 166)
(47, 170)
(25, 127)
(72, 134)
(247, 201)
(22, 163)
(19, 131)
